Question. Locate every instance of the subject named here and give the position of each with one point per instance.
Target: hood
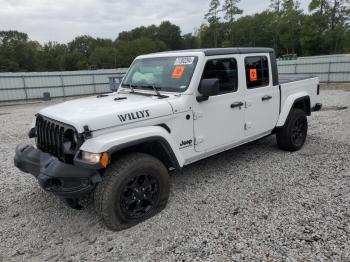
(103, 112)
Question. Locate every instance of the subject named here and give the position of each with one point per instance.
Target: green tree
(275, 6)
(290, 26)
(190, 41)
(320, 6)
(331, 20)
(206, 33)
(139, 32)
(84, 44)
(231, 10)
(128, 50)
(17, 52)
(170, 34)
(166, 32)
(104, 57)
(213, 18)
(313, 38)
(75, 60)
(8, 65)
(52, 56)
(27, 56)
(255, 30)
(11, 37)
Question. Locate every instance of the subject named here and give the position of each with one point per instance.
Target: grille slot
(50, 138)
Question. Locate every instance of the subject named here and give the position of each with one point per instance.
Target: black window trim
(268, 66)
(224, 58)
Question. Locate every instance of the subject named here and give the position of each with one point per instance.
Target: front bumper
(64, 180)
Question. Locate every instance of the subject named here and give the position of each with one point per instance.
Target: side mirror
(114, 83)
(207, 88)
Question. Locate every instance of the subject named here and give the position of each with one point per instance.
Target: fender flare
(123, 139)
(289, 104)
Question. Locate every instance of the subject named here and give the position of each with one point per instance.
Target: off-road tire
(108, 195)
(292, 136)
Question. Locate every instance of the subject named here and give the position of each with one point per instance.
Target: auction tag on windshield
(253, 75)
(184, 60)
(178, 72)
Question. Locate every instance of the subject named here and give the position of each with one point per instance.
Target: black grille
(50, 138)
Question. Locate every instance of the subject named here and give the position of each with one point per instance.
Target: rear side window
(257, 71)
(225, 70)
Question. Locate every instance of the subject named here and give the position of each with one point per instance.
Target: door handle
(265, 98)
(237, 104)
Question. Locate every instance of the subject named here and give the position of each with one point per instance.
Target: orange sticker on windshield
(253, 75)
(178, 72)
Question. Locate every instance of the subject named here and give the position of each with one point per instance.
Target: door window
(257, 71)
(225, 70)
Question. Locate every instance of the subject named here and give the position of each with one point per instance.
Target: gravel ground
(254, 202)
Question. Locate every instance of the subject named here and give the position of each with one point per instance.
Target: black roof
(236, 50)
(227, 51)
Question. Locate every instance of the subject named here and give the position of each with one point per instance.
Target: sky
(63, 20)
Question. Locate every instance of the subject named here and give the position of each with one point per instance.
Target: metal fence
(329, 69)
(26, 86)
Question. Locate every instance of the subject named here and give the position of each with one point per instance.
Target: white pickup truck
(171, 109)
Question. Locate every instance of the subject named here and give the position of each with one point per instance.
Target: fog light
(93, 158)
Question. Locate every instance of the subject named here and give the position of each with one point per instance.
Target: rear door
(262, 98)
(220, 119)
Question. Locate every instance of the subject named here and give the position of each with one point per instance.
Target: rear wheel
(135, 188)
(292, 135)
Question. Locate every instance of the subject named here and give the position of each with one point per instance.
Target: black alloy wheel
(140, 196)
(134, 188)
(292, 136)
(299, 132)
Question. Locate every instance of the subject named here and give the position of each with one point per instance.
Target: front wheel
(292, 136)
(134, 188)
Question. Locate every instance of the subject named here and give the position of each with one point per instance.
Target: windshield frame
(123, 84)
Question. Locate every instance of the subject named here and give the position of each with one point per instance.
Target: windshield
(164, 73)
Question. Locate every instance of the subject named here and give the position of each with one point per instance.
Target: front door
(262, 98)
(220, 119)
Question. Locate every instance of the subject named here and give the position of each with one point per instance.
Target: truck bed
(287, 78)
(298, 85)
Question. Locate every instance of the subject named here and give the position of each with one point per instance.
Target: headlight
(92, 158)
(96, 158)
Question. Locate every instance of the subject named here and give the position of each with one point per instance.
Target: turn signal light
(104, 160)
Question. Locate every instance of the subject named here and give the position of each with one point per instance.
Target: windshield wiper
(155, 90)
(131, 87)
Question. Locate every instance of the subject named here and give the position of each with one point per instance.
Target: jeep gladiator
(171, 109)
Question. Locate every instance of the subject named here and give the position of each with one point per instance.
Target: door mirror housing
(208, 87)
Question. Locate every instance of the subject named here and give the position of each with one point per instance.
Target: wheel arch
(153, 140)
(156, 146)
(301, 101)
